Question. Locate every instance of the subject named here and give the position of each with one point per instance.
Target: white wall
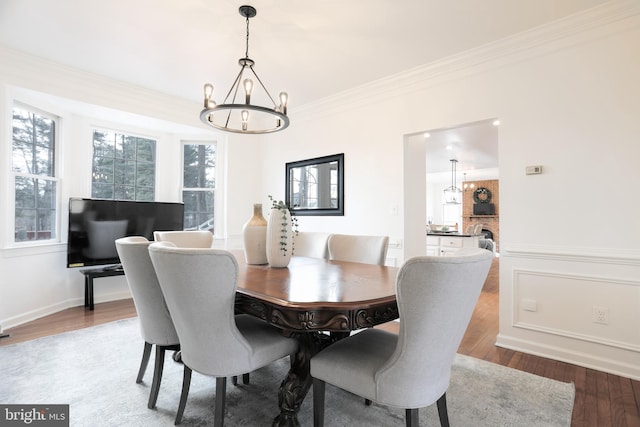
(568, 98)
(34, 279)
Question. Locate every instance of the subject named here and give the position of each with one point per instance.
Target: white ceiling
(311, 49)
(473, 145)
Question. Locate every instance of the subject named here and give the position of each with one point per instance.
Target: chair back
(186, 238)
(311, 244)
(436, 298)
(155, 321)
(364, 249)
(199, 285)
(477, 229)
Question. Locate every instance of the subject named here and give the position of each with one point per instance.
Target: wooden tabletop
(316, 294)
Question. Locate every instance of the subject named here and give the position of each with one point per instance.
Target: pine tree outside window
(199, 182)
(124, 166)
(34, 135)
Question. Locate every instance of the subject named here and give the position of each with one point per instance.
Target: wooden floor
(601, 399)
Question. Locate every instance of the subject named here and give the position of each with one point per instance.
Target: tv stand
(89, 275)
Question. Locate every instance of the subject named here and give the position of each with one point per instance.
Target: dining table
(317, 302)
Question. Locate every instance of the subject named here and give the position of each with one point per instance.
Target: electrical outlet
(600, 315)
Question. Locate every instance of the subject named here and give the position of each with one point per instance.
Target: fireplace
(487, 233)
(473, 212)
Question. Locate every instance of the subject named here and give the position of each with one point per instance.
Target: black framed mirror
(316, 186)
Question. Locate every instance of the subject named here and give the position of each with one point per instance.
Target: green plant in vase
(284, 209)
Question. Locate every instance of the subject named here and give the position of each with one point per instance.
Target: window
(34, 171)
(124, 166)
(198, 188)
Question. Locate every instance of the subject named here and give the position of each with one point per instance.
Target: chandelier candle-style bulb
(208, 93)
(245, 119)
(284, 98)
(248, 87)
(232, 115)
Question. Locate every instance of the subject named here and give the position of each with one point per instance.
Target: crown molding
(23, 70)
(587, 25)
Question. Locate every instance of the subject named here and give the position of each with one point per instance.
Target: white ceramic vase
(254, 235)
(279, 238)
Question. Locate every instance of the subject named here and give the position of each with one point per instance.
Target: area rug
(94, 370)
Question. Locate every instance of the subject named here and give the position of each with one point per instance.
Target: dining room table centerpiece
(254, 237)
(281, 228)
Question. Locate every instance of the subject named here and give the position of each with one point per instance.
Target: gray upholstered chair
(311, 244)
(436, 298)
(186, 238)
(200, 285)
(364, 249)
(155, 322)
(477, 229)
(192, 239)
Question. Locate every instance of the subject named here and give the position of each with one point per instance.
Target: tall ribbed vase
(279, 238)
(254, 236)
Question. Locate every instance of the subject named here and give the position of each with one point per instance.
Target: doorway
(428, 171)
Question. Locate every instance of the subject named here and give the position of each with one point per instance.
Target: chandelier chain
(246, 52)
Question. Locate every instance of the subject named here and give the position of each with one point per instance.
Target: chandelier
(247, 118)
(453, 195)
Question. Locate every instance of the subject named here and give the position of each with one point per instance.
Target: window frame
(127, 133)
(217, 215)
(56, 221)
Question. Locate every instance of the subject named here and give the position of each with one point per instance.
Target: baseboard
(29, 316)
(63, 305)
(603, 364)
(113, 296)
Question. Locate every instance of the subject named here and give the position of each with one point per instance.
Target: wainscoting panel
(606, 312)
(576, 305)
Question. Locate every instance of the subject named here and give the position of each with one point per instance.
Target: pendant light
(247, 118)
(453, 195)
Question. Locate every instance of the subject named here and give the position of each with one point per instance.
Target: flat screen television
(95, 225)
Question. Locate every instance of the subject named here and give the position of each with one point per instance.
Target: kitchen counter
(441, 243)
(448, 233)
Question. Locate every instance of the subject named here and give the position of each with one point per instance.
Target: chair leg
(157, 376)
(221, 393)
(146, 353)
(412, 417)
(245, 379)
(186, 382)
(442, 411)
(318, 402)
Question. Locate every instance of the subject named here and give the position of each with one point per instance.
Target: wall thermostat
(534, 170)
